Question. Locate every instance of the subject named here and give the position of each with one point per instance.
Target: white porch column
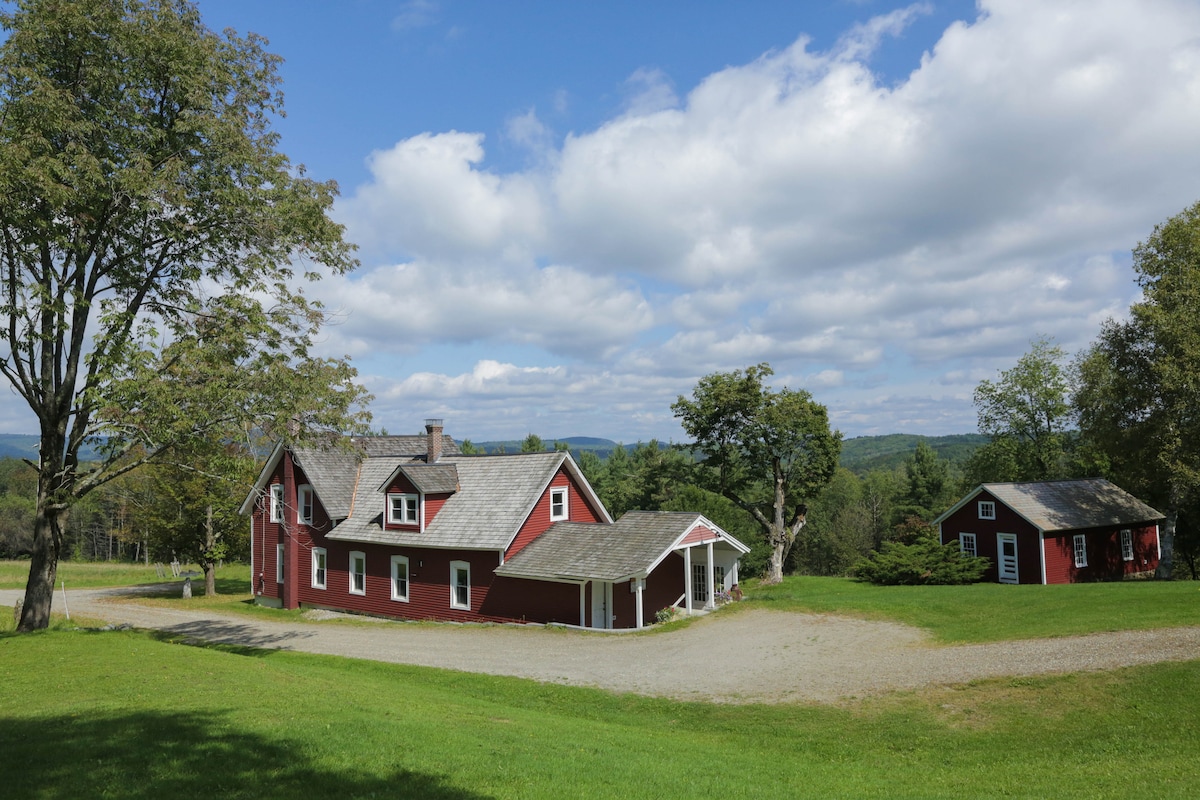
(640, 584)
(582, 606)
(687, 579)
(709, 578)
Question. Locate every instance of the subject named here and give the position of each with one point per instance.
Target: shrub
(924, 562)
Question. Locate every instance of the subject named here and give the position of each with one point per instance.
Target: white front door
(1006, 552)
(601, 604)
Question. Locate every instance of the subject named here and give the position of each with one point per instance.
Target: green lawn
(127, 714)
(96, 574)
(986, 612)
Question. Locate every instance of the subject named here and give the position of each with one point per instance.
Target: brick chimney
(433, 439)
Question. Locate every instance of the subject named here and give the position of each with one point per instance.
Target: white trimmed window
(966, 544)
(460, 585)
(987, 509)
(276, 502)
(304, 504)
(404, 509)
(318, 567)
(558, 503)
(400, 578)
(1127, 545)
(1080, 550)
(358, 572)
(279, 563)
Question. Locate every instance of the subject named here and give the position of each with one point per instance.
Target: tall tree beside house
(149, 230)
(926, 490)
(191, 508)
(769, 452)
(1138, 388)
(1027, 413)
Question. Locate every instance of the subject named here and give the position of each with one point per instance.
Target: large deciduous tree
(767, 451)
(1027, 414)
(148, 231)
(1139, 392)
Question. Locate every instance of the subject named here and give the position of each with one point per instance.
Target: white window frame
(1079, 546)
(403, 517)
(559, 496)
(1126, 545)
(455, 566)
(968, 545)
(320, 567)
(276, 502)
(987, 509)
(351, 573)
(280, 555)
(398, 561)
(305, 504)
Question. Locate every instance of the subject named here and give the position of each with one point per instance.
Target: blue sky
(569, 212)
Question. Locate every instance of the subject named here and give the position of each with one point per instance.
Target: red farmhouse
(406, 526)
(1055, 531)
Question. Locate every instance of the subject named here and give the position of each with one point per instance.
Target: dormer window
(987, 509)
(558, 504)
(404, 509)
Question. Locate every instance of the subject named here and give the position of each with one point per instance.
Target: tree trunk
(43, 567)
(210, 564)
(775, 564)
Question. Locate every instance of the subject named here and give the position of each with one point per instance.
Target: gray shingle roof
(628, 547)
(440, 478)
(496, 494)
(332, 469)
(1072, 505)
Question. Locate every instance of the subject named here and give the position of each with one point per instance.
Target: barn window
(558, 504)
(304, 502)
(460, 585)
(966, 544)
(1081, 551)
(318, 567)
(279, 563)
(987, 509)
(403, 509)
(358, 572)
(400, 578)
(1127, 545)
(276, 502)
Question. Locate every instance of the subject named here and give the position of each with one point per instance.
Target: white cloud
(799, 210)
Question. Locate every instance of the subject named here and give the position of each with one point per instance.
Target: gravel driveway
(749, 657)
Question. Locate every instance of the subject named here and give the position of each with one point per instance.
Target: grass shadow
(153, 755)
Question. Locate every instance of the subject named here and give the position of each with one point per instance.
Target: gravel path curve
(750, 657)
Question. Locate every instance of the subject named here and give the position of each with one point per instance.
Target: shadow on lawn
(232, 636)
(157, 755)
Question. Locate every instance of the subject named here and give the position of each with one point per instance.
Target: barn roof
(630, 547)
(1067, 505)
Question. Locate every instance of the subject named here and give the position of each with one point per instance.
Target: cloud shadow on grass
(154, 755)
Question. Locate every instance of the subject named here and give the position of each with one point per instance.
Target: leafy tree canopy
(767, 451)
(150, 231)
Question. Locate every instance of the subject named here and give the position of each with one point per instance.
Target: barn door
(1006, 551)
(602, 592)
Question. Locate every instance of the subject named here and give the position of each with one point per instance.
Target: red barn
(407, 527)
(1055, 531)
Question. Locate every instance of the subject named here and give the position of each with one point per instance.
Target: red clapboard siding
(533, 601)
(578, 510)
(404, 485)
(698, 534)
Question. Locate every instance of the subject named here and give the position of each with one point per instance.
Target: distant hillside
(21, 445)
(865, 453)
(601, 447)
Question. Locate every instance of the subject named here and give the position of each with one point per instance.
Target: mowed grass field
(134, 714)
